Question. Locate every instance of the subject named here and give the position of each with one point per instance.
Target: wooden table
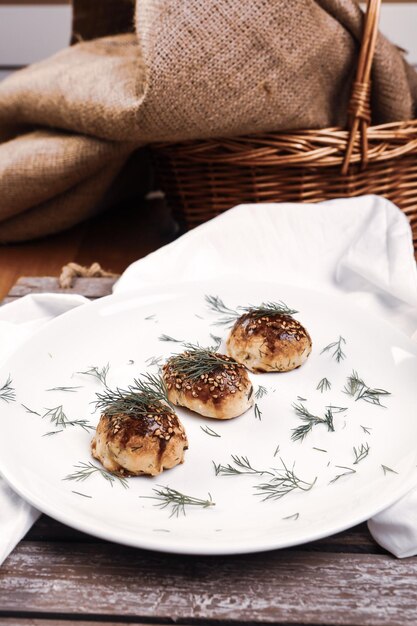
(59, 576)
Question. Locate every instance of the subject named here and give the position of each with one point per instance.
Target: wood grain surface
(114, 239)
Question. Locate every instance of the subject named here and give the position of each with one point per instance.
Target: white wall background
(30, 33)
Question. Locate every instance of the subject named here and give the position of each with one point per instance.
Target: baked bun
(209, 383)
(132, 445)
(268, 343)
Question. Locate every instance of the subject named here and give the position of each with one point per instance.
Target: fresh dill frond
(154, 360)
(348, 471)
(366, 430)
(7, 392)
(338, 353)
(261, 392)
(268, 309)
(52, 432)
(85, 470)
(359, 390)
(58, 417)
(324, 385)
(216, 304)
(319, 449)
(178, 501)
(136, 399)
(265, 309)
(28, 410)
(241, 466)
(257, 411)
(309, 421)
(217, 342)
(68, 389)
(197, 361)
(328, 419)
(209, 431)
(98, 372)
(301, 399)
(283, 482)
(276, 450)
(78, 493)
(294, 516)
(386, 469)
(168, 338)
(360, 453)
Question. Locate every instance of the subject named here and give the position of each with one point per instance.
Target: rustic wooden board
(89, 287)
(281, 587)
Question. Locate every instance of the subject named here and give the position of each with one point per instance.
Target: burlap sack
(191, 69)
(229, 68)
(83, 101)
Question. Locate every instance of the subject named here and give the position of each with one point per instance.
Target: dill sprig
(154, 360)
(98, 372)
(324, 385)
(177, 501)
(28, 410)
(168, 338)
(217, 342)
(261, 392)
(197, 361)
(84, 495)
(58, 417)
(209, 431)
(338, 353)
(388, 469)
(241, 466)
(294, 516)
(136, 399)
(216, 304)
(229, 316)
(359, 390)
(85, 470)
(348, 471)
(310, 420)
(7, 392)
(68, 389)
(257, 411)
(360, 453)
(284, 482)
(366, 429)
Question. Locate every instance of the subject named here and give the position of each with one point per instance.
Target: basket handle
(359, 110)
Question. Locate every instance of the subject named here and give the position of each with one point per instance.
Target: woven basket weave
(203, 178)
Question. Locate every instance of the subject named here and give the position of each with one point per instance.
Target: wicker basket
(203, 178)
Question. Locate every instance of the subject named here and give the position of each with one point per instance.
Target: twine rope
(74, 270)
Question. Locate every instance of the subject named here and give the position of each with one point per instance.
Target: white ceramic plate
(125, 332)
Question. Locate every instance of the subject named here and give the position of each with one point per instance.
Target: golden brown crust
(223, 393)
(144, 444)
(272, 343)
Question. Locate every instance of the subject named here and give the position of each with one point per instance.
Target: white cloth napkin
(18, 321)
(359, 247)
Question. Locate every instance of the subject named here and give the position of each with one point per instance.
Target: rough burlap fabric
(229, 68)
(181, 69)
(65, 135)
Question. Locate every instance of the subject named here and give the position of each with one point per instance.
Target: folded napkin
(359, 247)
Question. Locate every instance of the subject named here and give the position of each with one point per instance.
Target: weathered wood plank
(281, 587)
(19, 621)
(88, 287)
